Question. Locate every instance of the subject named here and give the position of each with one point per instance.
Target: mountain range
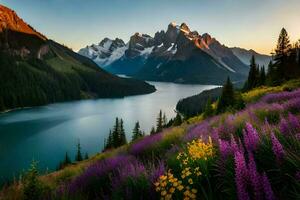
(175, 55)
(35, 70)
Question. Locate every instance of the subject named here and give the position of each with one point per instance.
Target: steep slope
(36, 71)
(173, 55)
(245, 56)
(187, 57)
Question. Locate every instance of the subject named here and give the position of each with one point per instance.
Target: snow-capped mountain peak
(106, 52)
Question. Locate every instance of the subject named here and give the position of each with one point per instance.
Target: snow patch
(147, 51)
(162, 44)
(172, 48)
(158, 66)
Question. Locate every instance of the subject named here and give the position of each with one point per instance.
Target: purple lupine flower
(254, 177)
(147, 142)
(277, 148)
(294, 122)
(198, 131)
(292, 105)
(266, 127)
(241, 176)
(132, 169)
(157, 171)
(94, 175)
(284, 127)
(234, 146)
(225, 148)
(282, 96)
(269, 194)
(251, 137)
(215, 135)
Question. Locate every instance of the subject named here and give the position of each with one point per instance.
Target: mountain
(177, 55)
(36, 71)
(245, 55)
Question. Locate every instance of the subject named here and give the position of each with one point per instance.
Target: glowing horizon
(247, 24)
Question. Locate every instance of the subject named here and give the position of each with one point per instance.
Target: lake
(45, 133)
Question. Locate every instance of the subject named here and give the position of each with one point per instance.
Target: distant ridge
(37, 71)
(176, 55)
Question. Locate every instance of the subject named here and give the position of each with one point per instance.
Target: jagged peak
(173, 24)
(184, 27)
(9, 20)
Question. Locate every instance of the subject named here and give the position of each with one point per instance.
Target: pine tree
(177, 120)
(78, 156)
(282, 52)
(122, 134)
(86, 156)
(253, 75)
(152, 132)
(270, 73)
(262, 76)
(227, 97)
(32, 185)
(159, 122)
(208, 110)
(283, 46)
(165, 120)
(136, 132)
(115, 134)
(67, 159)
(109, 142)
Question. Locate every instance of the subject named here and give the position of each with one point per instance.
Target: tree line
(117, 136)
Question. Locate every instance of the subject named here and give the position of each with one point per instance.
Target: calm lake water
(46, 133)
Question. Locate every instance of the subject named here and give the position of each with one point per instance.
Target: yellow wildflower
(168, 197)
(172, 190)
(163, 193)
(194, 191)
(180, 187)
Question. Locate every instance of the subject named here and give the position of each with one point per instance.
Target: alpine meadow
(146, 100)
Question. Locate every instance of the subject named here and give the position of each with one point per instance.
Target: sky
(251, 24)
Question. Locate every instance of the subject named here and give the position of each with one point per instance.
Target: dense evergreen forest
(29, 79)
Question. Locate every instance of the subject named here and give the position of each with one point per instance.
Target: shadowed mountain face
(245, 56)
(177, 55)
(36, 71)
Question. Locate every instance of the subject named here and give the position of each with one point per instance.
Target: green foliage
(136, 132)
(286, 64)
(227, 97)
(32, 185)
(134, 187)
(86, 156)
(256, 76)
(60, 75)
(78, 156)
(208, 111)
(195, 105)
(152, 130)
(117, 137)
(159, 122)
(177, 120)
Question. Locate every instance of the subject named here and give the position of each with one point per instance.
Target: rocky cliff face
(9, 20)
(145, 56)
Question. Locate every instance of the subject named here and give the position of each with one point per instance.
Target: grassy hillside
(31, 78)
(249, 154)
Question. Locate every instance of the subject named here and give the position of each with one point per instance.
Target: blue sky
(246, 23)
